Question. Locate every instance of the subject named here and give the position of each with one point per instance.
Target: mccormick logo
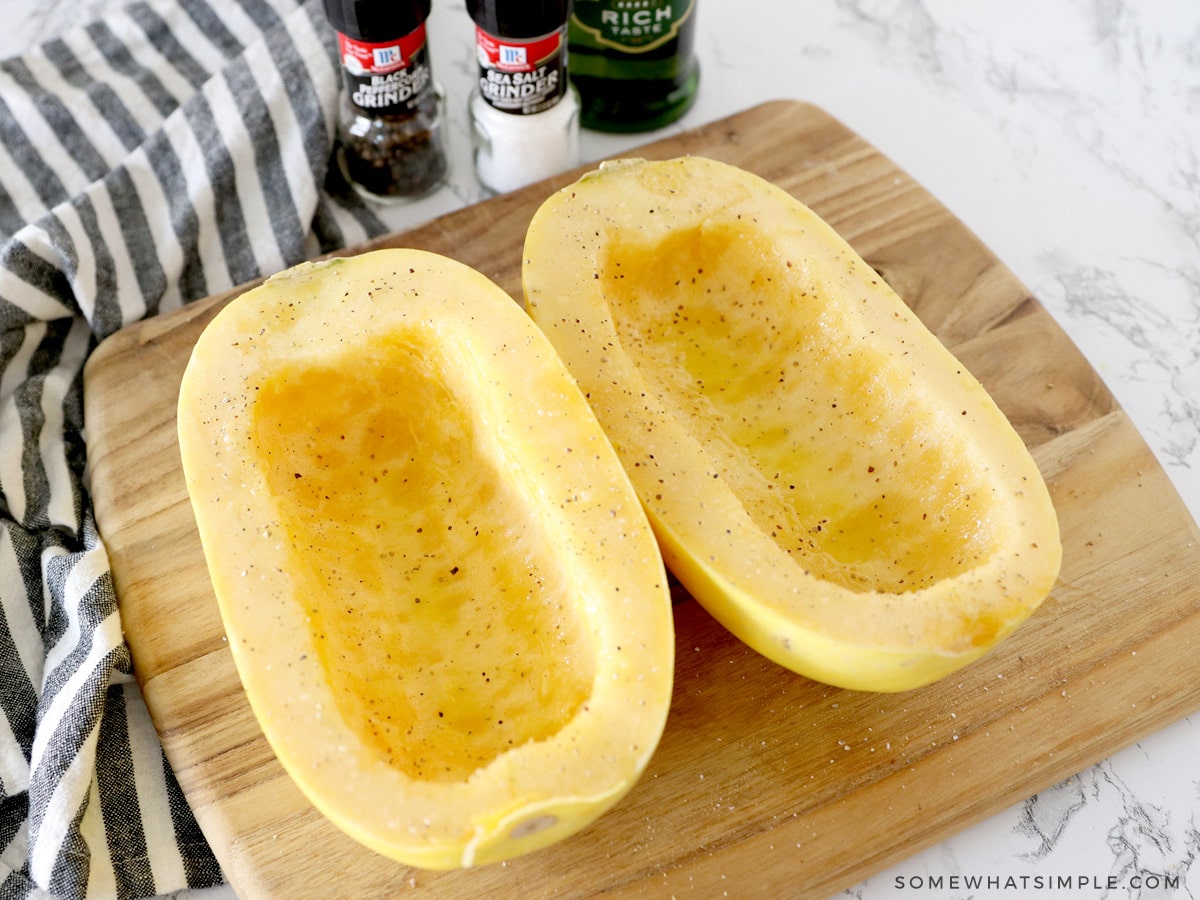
(385, 57)
(512, 57)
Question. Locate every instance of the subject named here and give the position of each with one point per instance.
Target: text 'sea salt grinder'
(390, 109)
(524, 112)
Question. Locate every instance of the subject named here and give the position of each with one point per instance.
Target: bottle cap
(374, 21)
(519, 18)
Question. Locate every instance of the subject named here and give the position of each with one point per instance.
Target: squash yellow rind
(444, 600)
(822, 474)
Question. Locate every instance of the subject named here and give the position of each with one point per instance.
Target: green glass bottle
(633, 62)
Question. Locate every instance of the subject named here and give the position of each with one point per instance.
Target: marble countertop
(1066, 135)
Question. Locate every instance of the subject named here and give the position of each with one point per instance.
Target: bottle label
(522, 76)
(390, 78)
(632, 26)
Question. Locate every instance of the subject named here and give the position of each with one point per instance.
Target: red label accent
(511, 55)
(360, 58)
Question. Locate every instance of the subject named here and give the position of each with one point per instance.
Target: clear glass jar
(511, 151)
(392, 157)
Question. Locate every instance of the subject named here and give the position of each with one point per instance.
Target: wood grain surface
(765, 783)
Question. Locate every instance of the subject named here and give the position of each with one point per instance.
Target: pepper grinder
(389, 142)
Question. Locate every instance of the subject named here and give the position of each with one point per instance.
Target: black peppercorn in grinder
(389, 143)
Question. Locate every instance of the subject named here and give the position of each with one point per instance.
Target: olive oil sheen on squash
(443, 597)
(822, 474)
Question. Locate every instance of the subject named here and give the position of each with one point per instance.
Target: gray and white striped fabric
(168, 152)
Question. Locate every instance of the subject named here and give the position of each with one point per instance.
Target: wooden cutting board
(765, 783)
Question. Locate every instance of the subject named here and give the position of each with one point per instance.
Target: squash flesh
(822, 474)
(862, 517)
(440, 575)
(432, 428)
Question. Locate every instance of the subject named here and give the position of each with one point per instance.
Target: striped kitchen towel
(169, 151)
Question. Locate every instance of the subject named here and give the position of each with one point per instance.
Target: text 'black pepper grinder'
(390, 109)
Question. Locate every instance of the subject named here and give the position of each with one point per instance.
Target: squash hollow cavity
(442, 595)
(741, 343)
(441, 618)
(821, 472)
